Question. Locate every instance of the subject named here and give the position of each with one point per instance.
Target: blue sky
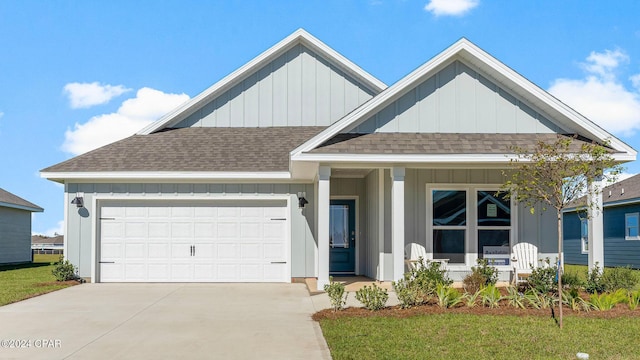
(75, 74)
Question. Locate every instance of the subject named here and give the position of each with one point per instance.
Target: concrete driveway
(164, 321)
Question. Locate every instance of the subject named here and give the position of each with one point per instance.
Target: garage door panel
(180, 242)
(251, 252)
(204, 230)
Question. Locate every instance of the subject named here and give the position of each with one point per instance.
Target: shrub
(572, 299)
(572, 280)
(538, 300)
(428, 274)
(64, 270)
(543, 279)
(633, 299)
(619, 278)
(447, 296)
(337, 296)
(480, 276)
(372, 297)
(515, 298)
(491, 296)
(471, 299)
(408, 292)
(607, 301)
(594, 282)
(473, 282)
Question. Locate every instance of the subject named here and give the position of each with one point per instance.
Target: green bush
(594, 283)
(619, 278)
(471, 299)
(480, 276)
(607, 301)
(515, 298)
(633, 299)
(64, 270)
(571, 280)
(408, 292)
(572, 299)
(337, 296)
(543, 278)
(372, 297)
(491, 296)
(447, 296)
(428, 274)
(538, 300)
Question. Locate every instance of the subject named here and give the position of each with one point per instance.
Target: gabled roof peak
(299, 36)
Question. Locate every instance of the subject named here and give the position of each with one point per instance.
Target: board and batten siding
(15, 235)
(458, 99)
(538, 228)
(617, 250)
(80, 220)
(299, 88)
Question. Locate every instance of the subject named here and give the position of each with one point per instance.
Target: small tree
(554, 174)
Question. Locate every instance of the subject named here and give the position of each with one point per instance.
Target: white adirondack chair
(412, 253)
(525, 257)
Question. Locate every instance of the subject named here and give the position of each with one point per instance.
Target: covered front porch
(366, 217)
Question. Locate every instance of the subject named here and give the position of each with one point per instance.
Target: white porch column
(324, 173)
(596, 225)
(397, 221)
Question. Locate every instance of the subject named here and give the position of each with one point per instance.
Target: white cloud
(601, 96)
(58, 229)
(133, 115)
(450, 7)
(84, 95)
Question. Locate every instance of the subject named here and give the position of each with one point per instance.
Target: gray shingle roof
(431, 143)
(8, 199)
(195, 149)
(625, 190)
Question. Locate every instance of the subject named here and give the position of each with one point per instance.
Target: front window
(584, 235)
(494, 227)
(631, 222)
(449, 225)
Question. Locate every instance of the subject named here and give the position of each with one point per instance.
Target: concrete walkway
(165, 321)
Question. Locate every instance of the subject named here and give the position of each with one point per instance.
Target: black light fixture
(301, 200)
(78, 201)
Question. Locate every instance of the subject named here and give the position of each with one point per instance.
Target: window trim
(584, 235)
(626, 226)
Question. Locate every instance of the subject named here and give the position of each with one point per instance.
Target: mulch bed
(504, 309)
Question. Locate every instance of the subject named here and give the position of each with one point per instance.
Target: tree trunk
(559, 268)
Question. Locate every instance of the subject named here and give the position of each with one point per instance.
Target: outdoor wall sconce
(78, 201)
(301, 200)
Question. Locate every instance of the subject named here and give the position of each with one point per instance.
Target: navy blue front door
(342, 236)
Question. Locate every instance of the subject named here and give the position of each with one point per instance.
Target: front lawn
(19, 282)
(468, 336)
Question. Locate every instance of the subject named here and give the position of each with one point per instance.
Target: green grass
(19, 282)
(463, 336)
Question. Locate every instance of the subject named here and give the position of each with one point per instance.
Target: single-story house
(42, 244)
(15, 228)
(621, 220)
(301, 164)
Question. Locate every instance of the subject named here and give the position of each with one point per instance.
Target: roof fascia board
(300, 36)
(168, 175)
(466, 50)
(20, 207)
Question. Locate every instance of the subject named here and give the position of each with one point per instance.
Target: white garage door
(194, 242)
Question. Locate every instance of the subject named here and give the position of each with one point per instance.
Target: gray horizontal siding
(15, 235)
(458, 99)
(79, 232)
(299, 88)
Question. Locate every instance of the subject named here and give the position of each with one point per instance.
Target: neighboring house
(301, 164)
(15, 228)
(621, 218)
(41, 244)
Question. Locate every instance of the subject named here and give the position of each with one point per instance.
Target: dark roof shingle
(11, 200)
(431, 143)
(195, 149)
